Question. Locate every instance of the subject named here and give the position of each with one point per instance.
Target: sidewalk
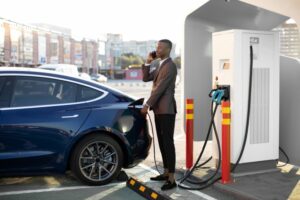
(283, 184)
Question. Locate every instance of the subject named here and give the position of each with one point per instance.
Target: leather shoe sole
(159, 178)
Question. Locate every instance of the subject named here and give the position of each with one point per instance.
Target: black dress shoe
(168, 185)
(159, 178)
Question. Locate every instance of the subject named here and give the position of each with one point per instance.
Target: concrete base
(275, 184)
(255, 168)
(236, 175)
(261, 167)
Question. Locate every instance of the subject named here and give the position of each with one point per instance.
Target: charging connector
(221, 93)
(226, 89)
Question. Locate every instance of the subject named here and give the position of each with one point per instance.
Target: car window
(67, 92)
(6, 88)
(33, 91)
(86, 93)
(2, 79)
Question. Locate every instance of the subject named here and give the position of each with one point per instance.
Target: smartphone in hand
(153, 54)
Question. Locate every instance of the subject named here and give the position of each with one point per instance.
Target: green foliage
(129, 59)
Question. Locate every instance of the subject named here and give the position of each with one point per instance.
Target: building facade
(115, 47)
(141, 48)
(33, 45)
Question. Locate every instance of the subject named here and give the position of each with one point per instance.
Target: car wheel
(97, 160)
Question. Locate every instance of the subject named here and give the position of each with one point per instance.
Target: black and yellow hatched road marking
(145, 191)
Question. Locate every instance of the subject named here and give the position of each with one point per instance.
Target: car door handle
(69, 116)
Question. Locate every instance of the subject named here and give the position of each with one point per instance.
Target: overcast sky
(135, 19)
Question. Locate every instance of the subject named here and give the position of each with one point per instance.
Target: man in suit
(162, 102)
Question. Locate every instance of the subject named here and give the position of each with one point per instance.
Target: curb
(145, 191)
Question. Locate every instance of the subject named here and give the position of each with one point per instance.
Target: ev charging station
(231, 67)
(217, 37)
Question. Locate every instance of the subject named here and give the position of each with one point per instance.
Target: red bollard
(226, 142)
(189, 132)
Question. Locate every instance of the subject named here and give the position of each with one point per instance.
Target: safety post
(226, 114)
(189, 132)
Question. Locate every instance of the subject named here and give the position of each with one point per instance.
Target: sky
(134, 19)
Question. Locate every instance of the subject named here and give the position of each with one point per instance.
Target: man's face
(162, 50)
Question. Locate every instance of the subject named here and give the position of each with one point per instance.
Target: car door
(38, 124)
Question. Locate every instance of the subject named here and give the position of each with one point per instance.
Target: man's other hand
(144, 110)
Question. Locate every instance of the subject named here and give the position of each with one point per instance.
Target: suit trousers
(165, 132)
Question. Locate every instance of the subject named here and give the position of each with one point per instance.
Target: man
(162, 102)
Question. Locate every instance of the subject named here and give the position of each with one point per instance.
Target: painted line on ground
(56, 189)
(103, 194)
(201, 194)
(52, 181)
(148, 169)
(295, 193)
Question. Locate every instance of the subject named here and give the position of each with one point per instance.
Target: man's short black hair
(166, 41)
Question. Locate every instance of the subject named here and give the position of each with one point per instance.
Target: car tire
(97, 159)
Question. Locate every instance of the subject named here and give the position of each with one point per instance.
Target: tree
(128, 59)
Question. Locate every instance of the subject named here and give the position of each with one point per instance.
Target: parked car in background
(68, 69)
(85, 76)
(52, 122)
(99, 78)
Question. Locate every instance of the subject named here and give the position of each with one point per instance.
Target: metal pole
(189, 132)
(226, 113)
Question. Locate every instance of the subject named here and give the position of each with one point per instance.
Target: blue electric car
(50, 122)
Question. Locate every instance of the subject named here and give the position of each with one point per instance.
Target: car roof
(27, 69)
(54, 66)
(45, 72)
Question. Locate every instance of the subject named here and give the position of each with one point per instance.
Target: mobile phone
(153, 54)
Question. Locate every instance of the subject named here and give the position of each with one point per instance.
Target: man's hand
(144, 110)
(149, 59)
